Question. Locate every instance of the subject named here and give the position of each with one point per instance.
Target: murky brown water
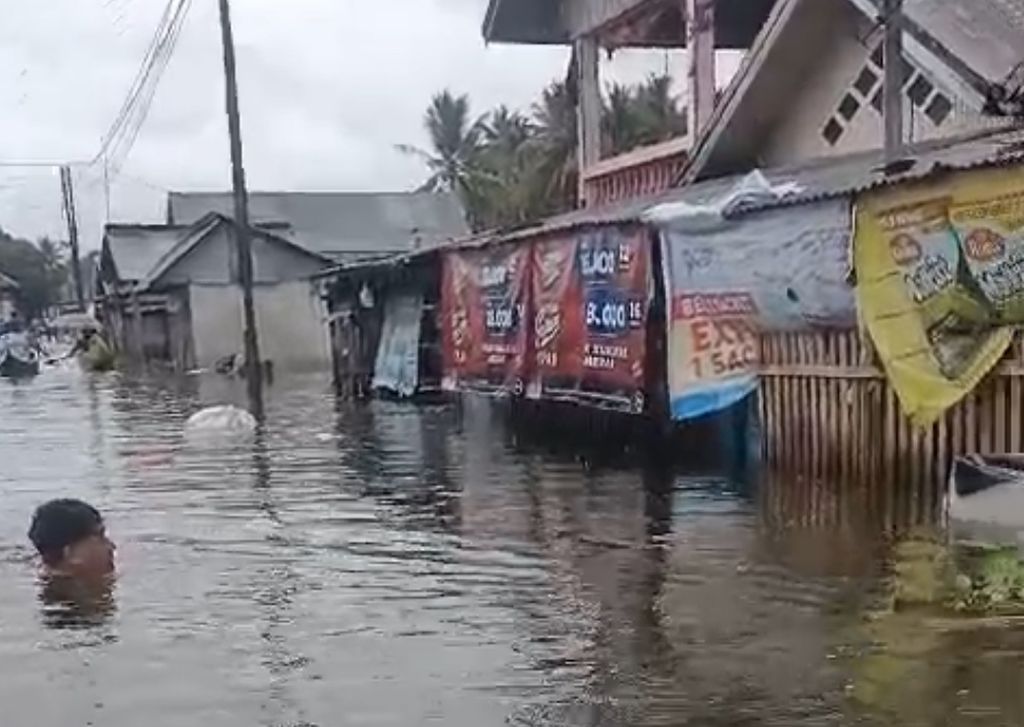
(398, 565)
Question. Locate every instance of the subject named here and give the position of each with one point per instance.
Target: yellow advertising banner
(940, 272)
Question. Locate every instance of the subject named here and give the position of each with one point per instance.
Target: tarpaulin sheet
(484, 296)
(591, 296)
(398, 355)
(726, 281)
(939, 269)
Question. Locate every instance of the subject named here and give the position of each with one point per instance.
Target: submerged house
(170, 295)
(8, 296)
(807, 111)
(724, 270)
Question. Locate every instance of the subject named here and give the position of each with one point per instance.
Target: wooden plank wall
(833, 426)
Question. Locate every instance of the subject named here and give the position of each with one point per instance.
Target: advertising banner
(484, 316)
(591, 296)
(940, 270)
(398, 355)
(728, 279)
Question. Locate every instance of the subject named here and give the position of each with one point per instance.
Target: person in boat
(95, 352)
(83, 343)
(71, 539)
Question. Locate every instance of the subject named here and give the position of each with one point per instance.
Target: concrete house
(169, 294)
(343, 226)
(810, 88)
(8, 296)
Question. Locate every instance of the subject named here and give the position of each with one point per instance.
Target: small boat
(986, 499)
(18, 360)
(13, 366)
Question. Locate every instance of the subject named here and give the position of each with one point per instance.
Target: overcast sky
(327, 88)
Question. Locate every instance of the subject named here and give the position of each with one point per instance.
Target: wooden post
(893, 89)
(588, 108)
(253, 365)
(700, 44)
(138, 345)
(68, 199)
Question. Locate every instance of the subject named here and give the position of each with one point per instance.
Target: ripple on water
(394, 565)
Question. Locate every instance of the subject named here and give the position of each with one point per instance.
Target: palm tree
(660, 111)
(506, 165)
(555, 148)
(645, 114)
(455, 141)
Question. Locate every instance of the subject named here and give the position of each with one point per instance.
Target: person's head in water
(72, 539)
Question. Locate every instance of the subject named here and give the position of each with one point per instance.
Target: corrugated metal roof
(136, 249)
(340, 224)
(8, 283)
(987, 35)
(819, 179)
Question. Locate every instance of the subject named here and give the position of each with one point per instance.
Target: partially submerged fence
(829, 415)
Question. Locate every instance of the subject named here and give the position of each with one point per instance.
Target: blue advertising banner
(776, 270)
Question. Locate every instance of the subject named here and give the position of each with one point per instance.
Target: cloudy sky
(327, 88)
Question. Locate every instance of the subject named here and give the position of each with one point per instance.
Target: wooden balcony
(638, 173)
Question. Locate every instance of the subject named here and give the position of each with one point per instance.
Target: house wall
(291, 324)
(831, 80)
(216, 322)
(7, 306)
(213, 262)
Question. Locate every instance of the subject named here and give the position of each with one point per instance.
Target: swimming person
(71, 538)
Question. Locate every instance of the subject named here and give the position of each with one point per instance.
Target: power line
(141, 76)
(131, 114)
(123, 146)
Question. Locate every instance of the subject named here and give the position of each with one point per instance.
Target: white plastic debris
(754, 190)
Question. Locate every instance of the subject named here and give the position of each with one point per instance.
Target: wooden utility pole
(68, 205)
(700, 45)
(893, 90)
(253, 367)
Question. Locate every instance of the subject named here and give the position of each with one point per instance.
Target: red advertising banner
(484, 310)
(591, 297)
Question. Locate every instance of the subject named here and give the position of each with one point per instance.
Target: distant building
(170, 294)
(343, 226)
(8, 296)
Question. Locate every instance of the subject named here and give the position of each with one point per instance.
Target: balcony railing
(638, 173)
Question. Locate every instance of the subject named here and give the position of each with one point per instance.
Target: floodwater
(388, 564)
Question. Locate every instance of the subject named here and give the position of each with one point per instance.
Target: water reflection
(391, 565)
(71, 603)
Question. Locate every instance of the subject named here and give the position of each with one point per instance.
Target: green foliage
(40, 271)
(510, 169)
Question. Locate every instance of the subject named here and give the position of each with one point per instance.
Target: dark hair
(60, 523)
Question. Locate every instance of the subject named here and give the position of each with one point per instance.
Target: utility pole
(700, 44)
(253, 367)
(68, 205)
(893, 88)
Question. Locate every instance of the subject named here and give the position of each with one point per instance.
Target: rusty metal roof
(819, 179)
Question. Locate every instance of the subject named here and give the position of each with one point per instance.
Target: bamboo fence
(831, 422)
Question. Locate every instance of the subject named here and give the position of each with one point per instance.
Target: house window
(848, 106)
(919, 90)
(866, 81)
(832, 131)
(939, 109)
(876, 101)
